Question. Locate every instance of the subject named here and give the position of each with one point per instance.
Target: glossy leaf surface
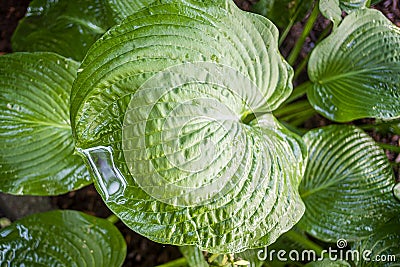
(162, 110)
(62, 238)
(36, 140)
(356, 70)
(347, 187)
(66, 27)
(382, 248)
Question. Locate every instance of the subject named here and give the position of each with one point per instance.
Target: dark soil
(141, 251)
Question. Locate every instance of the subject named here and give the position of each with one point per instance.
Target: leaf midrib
(347, 74)
(322, 187)
(45, 123)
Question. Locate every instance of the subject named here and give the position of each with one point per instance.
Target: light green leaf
(62, 238)
(194, 256)
(328, 263)
(396, 191)
(330, 9)
(66, 27)
(347, 187)
(382, 248)
(120, 9)
(161, 111)
(281, 12)
(36, 140)
(356, 70)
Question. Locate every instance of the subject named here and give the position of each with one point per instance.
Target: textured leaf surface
(66, 27)
(347, 185)
(62, 238)
(158, 109)
(281, 12)
(356, 70)
(382, 248)
(36, 140)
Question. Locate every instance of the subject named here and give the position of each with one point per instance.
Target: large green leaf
(66, 27)
(62, 238)
(347, 187)
(382, 248)
(36, 140)
(281, 12)
(356, 70)
(160, 109)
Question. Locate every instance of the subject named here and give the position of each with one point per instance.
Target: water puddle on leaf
(110, 180)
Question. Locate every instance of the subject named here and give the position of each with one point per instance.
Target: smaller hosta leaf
(331, 10)
(356, 70)
(194, 256)
(382, 248)
(353, 5)
(66, 27)
(36, 143)
(62, 238)
(396, 191)
(347, 187)
(328, 263)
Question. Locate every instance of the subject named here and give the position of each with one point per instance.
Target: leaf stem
(181, 262)
(303, 64)
(299, 91)
(113, 219)
(304, 241)
(306, 31)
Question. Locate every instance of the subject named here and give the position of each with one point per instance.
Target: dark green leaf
(36, 141)
(61, 238)
(347, 187)
(382, 248)
(281, 12)
(66, 27)
(356, 70)
(159, 110)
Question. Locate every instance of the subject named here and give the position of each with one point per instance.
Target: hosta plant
(184, 116)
